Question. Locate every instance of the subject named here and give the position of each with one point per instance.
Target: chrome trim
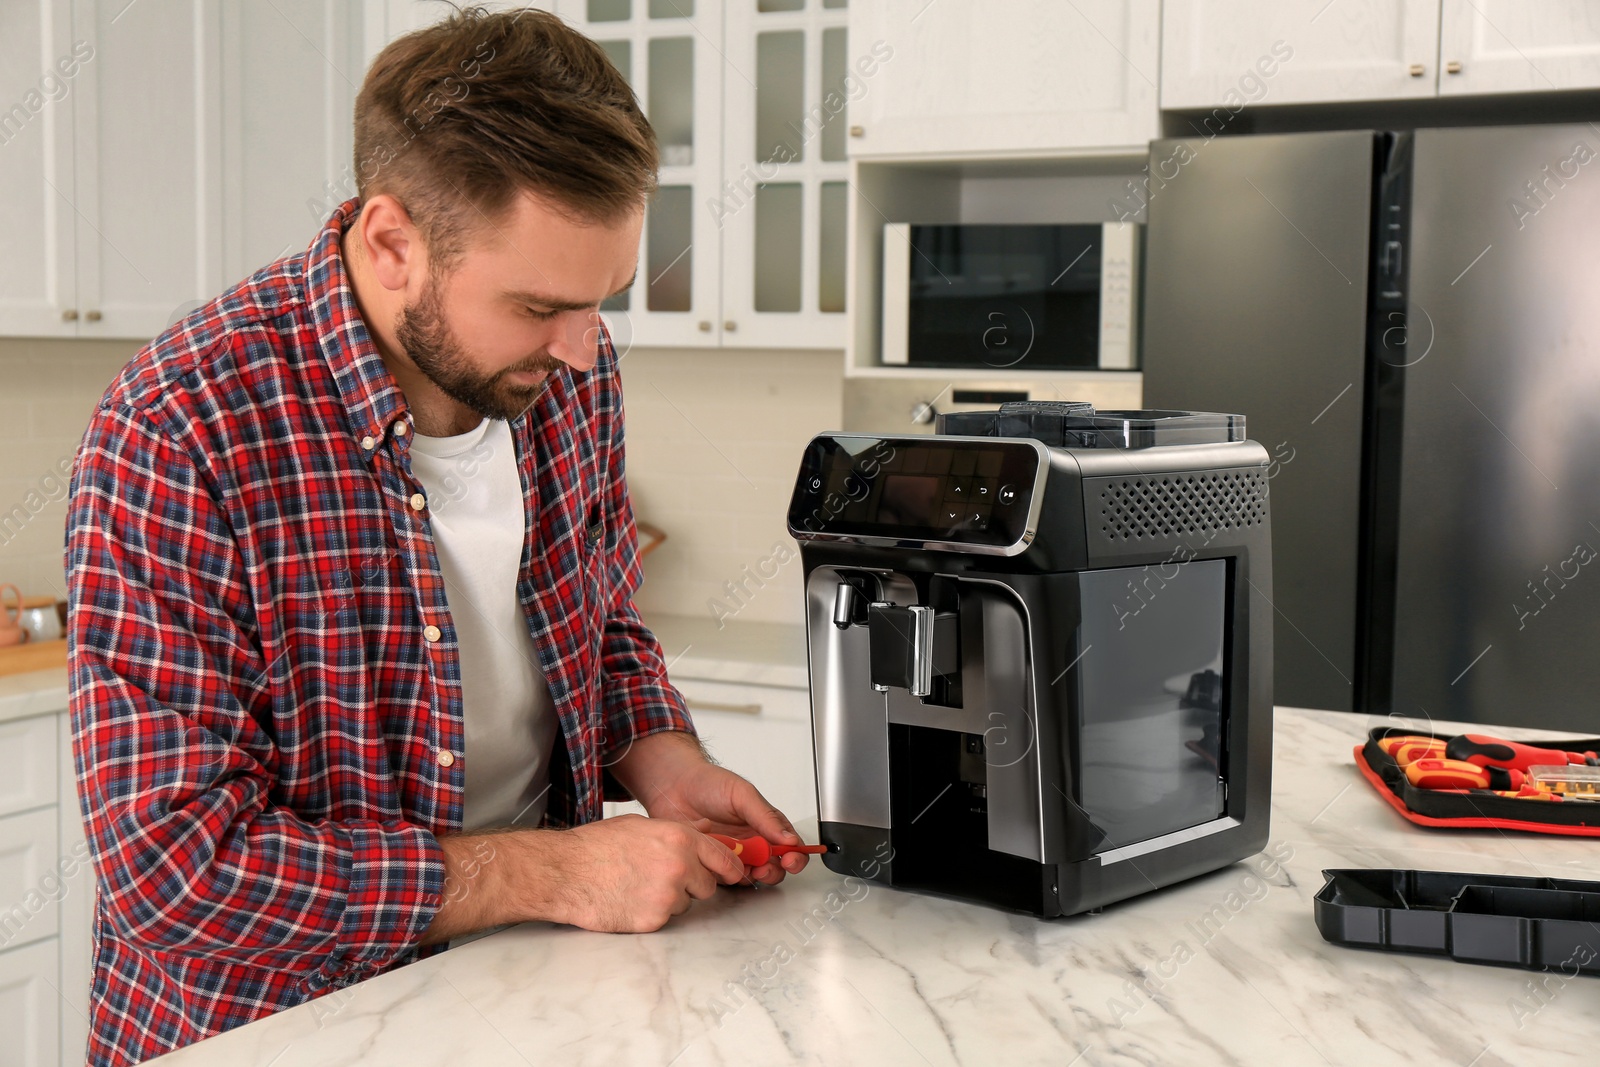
(921, 650)
(1030, 528)
(843, 601)
(1177, 837)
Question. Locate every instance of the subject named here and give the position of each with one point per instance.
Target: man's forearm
(499, 877)
(653, 764)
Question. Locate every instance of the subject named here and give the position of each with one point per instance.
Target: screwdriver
(754, 851)
(1459, 774)
(1485, 750)
(1406, 749)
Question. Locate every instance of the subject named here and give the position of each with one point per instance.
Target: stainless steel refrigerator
(1411, 323)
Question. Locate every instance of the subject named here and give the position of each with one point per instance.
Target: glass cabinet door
(781, 204)
(669, 50)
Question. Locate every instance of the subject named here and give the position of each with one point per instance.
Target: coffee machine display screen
(973, 492)
(1152, 698)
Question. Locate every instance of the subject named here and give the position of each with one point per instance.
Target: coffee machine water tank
(1040, 646)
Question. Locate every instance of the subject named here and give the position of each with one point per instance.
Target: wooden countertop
(33, 656)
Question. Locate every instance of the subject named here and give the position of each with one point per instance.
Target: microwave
(1005, 296)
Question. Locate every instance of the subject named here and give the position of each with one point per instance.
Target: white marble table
(880, 976)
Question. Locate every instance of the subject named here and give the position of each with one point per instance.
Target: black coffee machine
(1040, 651)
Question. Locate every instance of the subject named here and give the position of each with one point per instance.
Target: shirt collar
(371, 396)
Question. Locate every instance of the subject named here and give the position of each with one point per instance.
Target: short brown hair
(458, 118)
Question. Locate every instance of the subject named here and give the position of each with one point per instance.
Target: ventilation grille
(1169, 505)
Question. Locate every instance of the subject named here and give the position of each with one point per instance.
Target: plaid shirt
(266, 692)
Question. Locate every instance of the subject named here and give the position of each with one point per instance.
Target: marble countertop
(1224, 969)
(33, 693)
(753, 653)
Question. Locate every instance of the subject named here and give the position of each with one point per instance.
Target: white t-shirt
(475, 506)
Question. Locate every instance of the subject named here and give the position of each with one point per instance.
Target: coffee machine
(1040, 645)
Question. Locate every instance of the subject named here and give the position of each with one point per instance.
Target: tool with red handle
(754, 851)
(1406, 749)
(1485, 751)
(1459, 774)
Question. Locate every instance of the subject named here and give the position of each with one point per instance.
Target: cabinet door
(77, 903)
(29, 884)
(789, 73)
(290, 73)
(671, 52)
(974, 77)
(30, 1010)
(147, 162)
(1230, 53)
(40, 72)
(1511, 46)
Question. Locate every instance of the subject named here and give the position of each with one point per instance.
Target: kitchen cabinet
(1228, 53)
(112, 217)
(1509, 46)
(963, 78)
(762, 732)
(159, 152)
(46, 889)
(744, 244)
(30, 1009)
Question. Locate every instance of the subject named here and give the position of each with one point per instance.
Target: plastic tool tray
(1537, 923)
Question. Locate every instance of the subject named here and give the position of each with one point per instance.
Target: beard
(439, 355)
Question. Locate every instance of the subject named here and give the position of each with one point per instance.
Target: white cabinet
(39, 74)
(1224, 53)
(959, 78)
(1512, 46)
(1230, 53)
(290, 71)
(175, 148)
(146, 130)
(744, 245)
(761, 732)
(46, 899)
(30, 1009)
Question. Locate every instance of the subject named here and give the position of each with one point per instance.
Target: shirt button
(418, 501)
(401, 428)
(431, 633)
(368, 443)
(445, 757)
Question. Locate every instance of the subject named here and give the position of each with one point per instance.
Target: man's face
(520, 301)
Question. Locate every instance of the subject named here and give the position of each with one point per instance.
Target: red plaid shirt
(266, 694)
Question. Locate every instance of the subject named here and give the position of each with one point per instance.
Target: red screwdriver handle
(1485, 750)
(756, 850)
(1459, 774)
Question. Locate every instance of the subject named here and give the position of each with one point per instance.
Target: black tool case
(1536, 923)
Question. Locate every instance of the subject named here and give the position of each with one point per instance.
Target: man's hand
(671, 777)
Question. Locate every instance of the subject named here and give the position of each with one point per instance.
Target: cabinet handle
(858, 131)
(705, 326)
(1453, 67)
(730, 326)
(69, 315)
(92, 316)
(713, 705)
(1417, 70)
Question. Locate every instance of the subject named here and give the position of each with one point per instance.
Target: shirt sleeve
(171, 731)
(637, 699)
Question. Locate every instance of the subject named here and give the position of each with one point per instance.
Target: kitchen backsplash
(713, 442)
(714, 439)
(47, 391)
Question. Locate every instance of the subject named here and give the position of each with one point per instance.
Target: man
(320, 702)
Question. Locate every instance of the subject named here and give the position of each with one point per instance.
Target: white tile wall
(714, 440)
(47, 391)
